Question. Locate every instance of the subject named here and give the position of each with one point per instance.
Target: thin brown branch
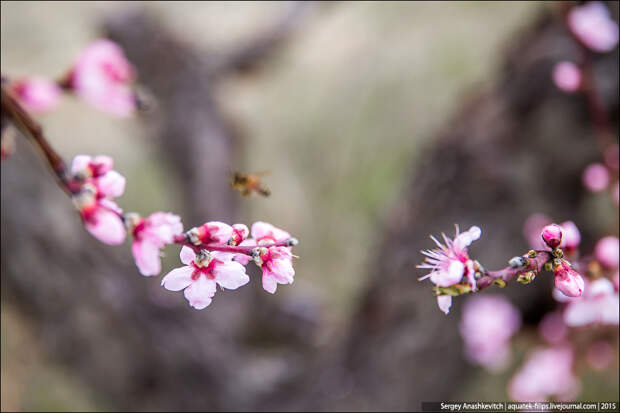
(31, 129)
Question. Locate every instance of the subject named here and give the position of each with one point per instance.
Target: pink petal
(164, 226)
(178, 279)
(231, 275)
(80, 162)
(146, 255)
(102, 164)
(606, 251)
(567, 76)
(200, 292)
(452, 276)
(187, 255)
(595, 177)
(444, 302)
(219, 231)
(37, 94)
(112, 184)
(465, 239)
(106, 226)
(262, 230)
(269, 282)
(243, 259)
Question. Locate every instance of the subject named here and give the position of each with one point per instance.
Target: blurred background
(380, 124)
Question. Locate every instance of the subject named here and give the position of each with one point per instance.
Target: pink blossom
(532, 228)
(487, 324)
(595, 177)
(201, 275)
(277, 266)
(552, 328)
(444, 302)
(150, 236)
(606, 251)
(593, 26)
(567, 280)
(600, 355)
(450, 262)
(552, 235)
(599, 304)
(570, 236)
(36, 94)
(99, 185)
(211, 232)
(265, 233)
(567, 76)
(546, 373)
(101, 75)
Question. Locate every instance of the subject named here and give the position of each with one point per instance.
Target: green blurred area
(360, 87)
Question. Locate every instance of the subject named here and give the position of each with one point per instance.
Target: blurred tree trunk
(514, 148)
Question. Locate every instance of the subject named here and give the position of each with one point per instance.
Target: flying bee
(248, 183)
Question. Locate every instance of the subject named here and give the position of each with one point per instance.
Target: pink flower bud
(595, 177)
(36, 94)
(552, 235)
(567, 280)
(593, 26)
(606, 252)
(567, 76)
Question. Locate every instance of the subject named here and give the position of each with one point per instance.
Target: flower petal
(80, 162)
(200, 292)
(269, 282)
(178, 279)
(112, 184)
(444, 302)
(146, 255)
(106, 226)
(262, 230)
(187, 255)
(230, 275)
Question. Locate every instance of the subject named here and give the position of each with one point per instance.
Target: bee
(248, 183)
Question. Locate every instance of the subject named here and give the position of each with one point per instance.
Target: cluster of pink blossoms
(100, 75)
(214, 253)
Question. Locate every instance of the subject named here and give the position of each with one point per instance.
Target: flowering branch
(214, 253)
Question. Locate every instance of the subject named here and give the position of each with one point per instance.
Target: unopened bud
(292, 242)
(552, 235)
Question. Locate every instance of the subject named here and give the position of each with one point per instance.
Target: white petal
(112, 184)
(444, 302)
(79, 163)
(200, 292)
(231, 275)
(269, 283)
(178, 278)
(187, 255)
